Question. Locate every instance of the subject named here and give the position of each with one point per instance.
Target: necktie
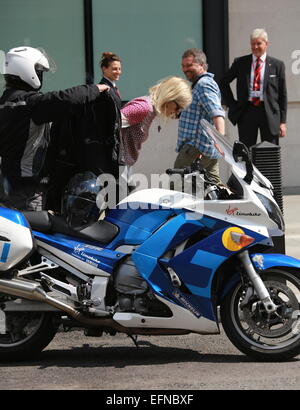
(117, 91)
(256, 81)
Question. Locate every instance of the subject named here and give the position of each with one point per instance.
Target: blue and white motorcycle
(160, 263)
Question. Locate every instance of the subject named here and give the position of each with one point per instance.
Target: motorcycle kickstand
(134, 339)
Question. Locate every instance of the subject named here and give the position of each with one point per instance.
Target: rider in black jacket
(25, 117)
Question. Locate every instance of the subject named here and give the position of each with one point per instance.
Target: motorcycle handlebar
(180, 171)
(196, 166)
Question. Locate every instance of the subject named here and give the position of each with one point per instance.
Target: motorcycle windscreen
(226, 145)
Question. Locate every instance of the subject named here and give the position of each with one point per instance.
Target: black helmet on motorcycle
(79, 200)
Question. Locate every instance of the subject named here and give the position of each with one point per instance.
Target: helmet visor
(79, 211)
(51, 63)
(2, 69)
(2, 62)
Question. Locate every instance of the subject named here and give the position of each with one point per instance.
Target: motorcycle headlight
(273, 210)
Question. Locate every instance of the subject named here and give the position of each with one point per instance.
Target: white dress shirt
(262, 76)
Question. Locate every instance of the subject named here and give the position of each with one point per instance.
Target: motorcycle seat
(43, 221)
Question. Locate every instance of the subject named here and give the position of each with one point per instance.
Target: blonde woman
(166, 99)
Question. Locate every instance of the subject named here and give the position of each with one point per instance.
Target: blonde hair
(170, 89)
(259, 33)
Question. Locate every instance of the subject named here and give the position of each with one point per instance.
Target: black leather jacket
(25, 118)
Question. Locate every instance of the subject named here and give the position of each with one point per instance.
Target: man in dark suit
(261, 93)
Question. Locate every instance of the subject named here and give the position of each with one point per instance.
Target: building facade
(227, 25)
(281, 21)
(150, 37)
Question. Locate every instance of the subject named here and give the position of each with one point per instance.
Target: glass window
(149, 36)
(57, 26)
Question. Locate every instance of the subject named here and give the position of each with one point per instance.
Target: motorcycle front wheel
(263, 336)
(25, 334)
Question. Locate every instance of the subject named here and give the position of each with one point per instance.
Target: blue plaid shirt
(206, 104)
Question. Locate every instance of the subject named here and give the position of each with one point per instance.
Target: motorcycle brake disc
(276, 324)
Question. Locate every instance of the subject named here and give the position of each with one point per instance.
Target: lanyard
(260, 67)
(257, 75)
(254, 92)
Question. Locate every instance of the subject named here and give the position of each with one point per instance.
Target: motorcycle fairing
(203, 260)
(90, 253)
(136, 225)
(272, 260)
(14, 216)
(16, 241)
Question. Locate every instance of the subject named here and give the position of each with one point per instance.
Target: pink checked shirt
(139, 114)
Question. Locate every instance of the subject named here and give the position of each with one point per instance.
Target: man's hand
(282, 128)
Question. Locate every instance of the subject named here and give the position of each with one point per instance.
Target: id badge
(255, 94)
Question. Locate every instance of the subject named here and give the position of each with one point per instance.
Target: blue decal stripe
(204, 292)
(207, 259)
(5, 251)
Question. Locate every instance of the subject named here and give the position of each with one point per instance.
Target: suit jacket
(275, 92)
(86, 141)
(116, 97)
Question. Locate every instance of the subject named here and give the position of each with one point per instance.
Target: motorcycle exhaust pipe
(33, 291)
(27, 289)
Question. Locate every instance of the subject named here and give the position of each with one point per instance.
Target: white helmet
(27, 63)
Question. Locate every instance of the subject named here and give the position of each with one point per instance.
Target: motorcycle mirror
(241, 153)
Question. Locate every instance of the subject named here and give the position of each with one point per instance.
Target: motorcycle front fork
(257, 282)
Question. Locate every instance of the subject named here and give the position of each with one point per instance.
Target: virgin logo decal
(235, 212)
(231, 211)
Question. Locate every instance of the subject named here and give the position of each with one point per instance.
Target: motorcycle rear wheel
(23, 335)
(274, 337)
